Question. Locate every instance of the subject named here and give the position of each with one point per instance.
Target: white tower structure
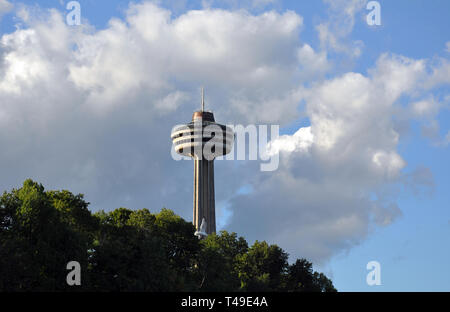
(203, 139)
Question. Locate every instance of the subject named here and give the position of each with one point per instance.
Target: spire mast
(203, 99)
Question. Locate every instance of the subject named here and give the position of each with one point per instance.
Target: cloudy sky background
(363, 112)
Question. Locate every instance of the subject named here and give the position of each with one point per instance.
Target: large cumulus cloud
(92, 110)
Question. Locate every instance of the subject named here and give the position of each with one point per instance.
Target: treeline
(125, 250)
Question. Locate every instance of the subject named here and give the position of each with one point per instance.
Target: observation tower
(203, 139)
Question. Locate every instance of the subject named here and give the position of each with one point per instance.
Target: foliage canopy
(131, 250)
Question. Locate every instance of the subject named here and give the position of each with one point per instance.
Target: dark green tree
(262, 268)
(36, 242)
(127, 255)
(218, 262)
(301, 278)
(131, 250)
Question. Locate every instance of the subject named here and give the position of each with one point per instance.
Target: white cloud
(440, 74)
(396, 75)
(389, 163)
(5, 7)
(329, 190)
(300, 141)
(95, 108)
(333, 34)
(430, 130)
(172, 101)
(425, 107)
(312, 64)
(447, 139)
(426, 111)
(238, 4)
(230, 50)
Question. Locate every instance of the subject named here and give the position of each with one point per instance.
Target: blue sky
(413, 250)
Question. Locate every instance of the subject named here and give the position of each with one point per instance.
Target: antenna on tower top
(203, 99)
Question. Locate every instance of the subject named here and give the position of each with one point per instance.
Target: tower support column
(204, 202)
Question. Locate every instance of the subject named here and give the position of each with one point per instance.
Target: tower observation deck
(203, 139)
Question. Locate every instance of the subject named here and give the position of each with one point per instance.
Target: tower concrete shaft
(204, 202)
